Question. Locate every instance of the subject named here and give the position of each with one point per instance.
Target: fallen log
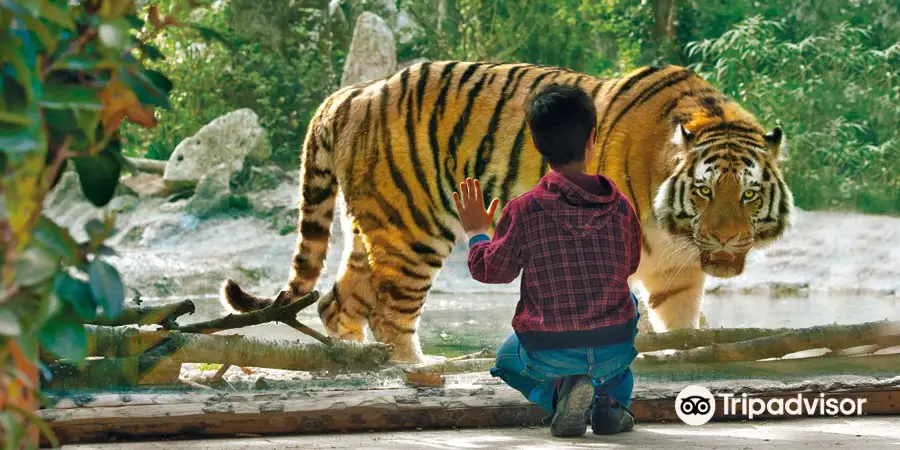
(131, 355)
(693, 338)
(237, 350)
(834, 337)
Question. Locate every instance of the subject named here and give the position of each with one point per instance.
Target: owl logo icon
(695, 405)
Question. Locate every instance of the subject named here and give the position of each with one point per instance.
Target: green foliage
(601, 38)
(283, 80)
(69, 77)
(836, 91)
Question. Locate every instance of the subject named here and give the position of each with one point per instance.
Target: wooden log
(835, 337)
(211, 416)
(148, 165)
(676, 370)
(135, 314)
(131, 354)
(693, 338)
(240, 350)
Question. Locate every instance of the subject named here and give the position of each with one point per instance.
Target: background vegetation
(826, 70)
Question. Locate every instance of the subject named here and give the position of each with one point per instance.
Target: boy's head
(562, 121)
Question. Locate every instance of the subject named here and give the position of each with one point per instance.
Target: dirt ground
(865, 433)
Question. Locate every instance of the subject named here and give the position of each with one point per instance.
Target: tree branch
(279, 311)
(834, 337)
(164, 315)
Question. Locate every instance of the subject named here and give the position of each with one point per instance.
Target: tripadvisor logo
(695, 405)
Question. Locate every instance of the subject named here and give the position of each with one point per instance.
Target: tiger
(700, 171)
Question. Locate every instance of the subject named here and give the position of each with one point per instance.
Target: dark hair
(561, 119)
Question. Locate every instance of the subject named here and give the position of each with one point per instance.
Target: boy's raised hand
(475, 219)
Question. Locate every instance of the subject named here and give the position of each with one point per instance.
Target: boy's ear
(590, 146)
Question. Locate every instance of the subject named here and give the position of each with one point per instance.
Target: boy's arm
(496, 260)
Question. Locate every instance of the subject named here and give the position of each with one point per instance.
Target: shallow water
(456, 324)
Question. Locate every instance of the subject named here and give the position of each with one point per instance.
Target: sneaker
(609, 417)
(575, 396)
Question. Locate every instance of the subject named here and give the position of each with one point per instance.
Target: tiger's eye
(705, 190)
(749, 195)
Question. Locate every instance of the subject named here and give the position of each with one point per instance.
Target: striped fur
(397, 147)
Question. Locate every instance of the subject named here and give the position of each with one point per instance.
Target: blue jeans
(536, 374)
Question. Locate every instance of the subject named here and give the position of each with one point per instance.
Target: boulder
(211, 195)
(225, 142)
(372, 52)
(144, 184)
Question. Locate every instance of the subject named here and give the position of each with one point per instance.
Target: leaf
(120, 102)
(56, 239)
(77, 294)
(151, 52)
(88, 121)
(69, 96)
(99, 176)
(150, 87)
(212, 35)
(94, 229)
(13, 54)
(17, 139)
(76, 63)
(106, 288)
(14, 118)
(57, 14)
(135, 21)
(64, 335)
(9, 323)
(37, 265)
(48, 39)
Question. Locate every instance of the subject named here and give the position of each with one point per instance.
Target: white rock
(228, 140)
(372, 52)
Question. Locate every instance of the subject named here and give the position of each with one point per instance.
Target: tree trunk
(663, 26)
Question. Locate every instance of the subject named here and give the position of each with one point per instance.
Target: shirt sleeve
(496, 260)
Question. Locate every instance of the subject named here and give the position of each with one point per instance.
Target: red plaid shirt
(577, 240)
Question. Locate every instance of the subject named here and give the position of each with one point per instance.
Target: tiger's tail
(317, 198)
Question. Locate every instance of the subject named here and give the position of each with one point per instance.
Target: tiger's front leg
(675, 282)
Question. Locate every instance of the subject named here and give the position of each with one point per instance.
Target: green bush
(70, 74)
(282, 81)
(836, 91)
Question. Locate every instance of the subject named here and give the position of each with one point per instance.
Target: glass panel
(363, 117)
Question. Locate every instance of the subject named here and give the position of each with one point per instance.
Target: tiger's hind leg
(345, 309)
(402, 274)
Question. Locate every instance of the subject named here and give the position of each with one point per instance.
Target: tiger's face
(726, 195)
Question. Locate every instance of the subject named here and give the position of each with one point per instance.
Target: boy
(577, 239)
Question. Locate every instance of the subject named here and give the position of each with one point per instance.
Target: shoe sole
(571, 422)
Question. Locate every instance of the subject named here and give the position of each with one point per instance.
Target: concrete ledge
(153, 416)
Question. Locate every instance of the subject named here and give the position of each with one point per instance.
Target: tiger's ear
(774, 140)
(683, 139)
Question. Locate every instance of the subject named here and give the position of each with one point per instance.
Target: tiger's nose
(725, 236)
